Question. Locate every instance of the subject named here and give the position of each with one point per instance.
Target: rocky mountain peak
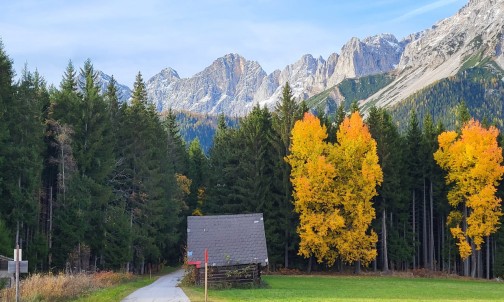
(376, 54)
(167, 75)
(170, 73)
(232, 61)
(379, 39)
(233, 85)
(475, 31)
(227, 85)
(103, 80)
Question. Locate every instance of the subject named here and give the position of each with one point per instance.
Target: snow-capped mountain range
(233, 85)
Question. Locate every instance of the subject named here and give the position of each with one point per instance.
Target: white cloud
(424, 9)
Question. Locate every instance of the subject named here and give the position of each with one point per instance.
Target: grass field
(118, 292)
(350, 288)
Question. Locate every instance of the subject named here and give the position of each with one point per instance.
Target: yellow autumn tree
(333, 187)
(312, 177)
(358, 173)
(473, 162)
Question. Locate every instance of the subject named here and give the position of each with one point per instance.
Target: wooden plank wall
(230, 275)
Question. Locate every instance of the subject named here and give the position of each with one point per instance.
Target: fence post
(206, 275)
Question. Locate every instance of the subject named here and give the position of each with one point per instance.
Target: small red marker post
(206, 275)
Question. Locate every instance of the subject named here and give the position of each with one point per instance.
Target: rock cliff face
(233, 85)
(476, 31)
(372, 55)
(227, 86)
(162, 81)
(103, 80)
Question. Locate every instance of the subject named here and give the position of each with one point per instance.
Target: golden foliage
(473, 162)
(355, 156)
(183, 183)
(183, 190)
(333, 187)
(312, 178)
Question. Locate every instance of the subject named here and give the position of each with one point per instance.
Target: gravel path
(163, 289)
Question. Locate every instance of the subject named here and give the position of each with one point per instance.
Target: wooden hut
(6, 278)
(236, 248)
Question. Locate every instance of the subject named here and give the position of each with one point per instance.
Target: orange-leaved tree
(333, 188)
(473, 162)
(312, 177)
(357, 175)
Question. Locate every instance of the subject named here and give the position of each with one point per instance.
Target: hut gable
(4, 274)
(230, 239)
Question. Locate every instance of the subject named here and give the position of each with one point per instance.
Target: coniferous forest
(90, 183)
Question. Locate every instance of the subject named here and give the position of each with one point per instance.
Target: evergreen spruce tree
(60, 168)
(415, 178)
(198, 174)
(147, 183)
(390, 204)
(285, 115)
(6, 94)
(176, 145)
(22, 165)
(86, 195)
(354, 107)
(112, 101)
(224, 161)
(6, 243)
(257, 183)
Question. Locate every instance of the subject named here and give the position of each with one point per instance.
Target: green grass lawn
(349, 288)
(116, 293)
(121, 291)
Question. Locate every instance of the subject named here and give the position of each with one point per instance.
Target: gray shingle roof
(6, 258)
(230, 239)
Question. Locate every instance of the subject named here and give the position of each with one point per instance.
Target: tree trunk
(310, 264)
(480, 264)
(357, 267)
(406, 264)
(79, 263)
(130, 245)
(454, 264)
(63, 171)
(494, 250)
(49, 244)
(286, 179)
(431, 228)
(474, 261)
(384, 241)
(286, 247)
(426, 263)
(464, 229)
(414, 235)
(442, 246)
(487, 249)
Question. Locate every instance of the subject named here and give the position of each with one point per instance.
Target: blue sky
(124, 37)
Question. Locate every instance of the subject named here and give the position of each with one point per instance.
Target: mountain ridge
(233, 85)
(476, 29)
